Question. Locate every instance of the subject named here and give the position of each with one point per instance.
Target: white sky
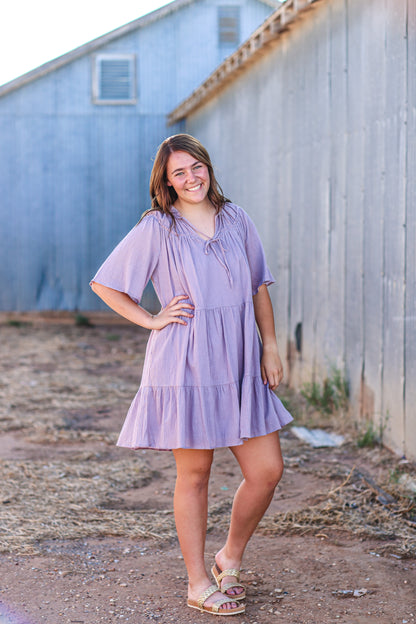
(33, 32)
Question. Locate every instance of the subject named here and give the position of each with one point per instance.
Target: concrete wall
(317, 141)
(74, 175)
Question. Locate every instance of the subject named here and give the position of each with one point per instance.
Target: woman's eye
(197, 166)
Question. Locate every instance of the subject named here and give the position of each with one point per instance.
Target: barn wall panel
(394, 223)
(410, 301)
(316, 140)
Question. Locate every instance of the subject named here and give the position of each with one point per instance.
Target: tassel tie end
(215, 244)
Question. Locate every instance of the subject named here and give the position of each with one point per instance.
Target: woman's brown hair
(162, 195)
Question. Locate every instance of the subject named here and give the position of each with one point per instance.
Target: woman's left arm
(271, 364)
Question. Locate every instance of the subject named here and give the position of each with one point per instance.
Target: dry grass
(58, 384)
(69, 500)
(357, 508)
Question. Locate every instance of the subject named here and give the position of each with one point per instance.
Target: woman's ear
(168, 183)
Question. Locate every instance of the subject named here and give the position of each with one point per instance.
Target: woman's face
(189, 177)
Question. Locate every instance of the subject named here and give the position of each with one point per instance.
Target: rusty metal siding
(325, 166)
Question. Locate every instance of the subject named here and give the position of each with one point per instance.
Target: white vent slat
(229, 25)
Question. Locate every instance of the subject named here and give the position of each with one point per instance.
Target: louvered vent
(229, 25)
(114, 79)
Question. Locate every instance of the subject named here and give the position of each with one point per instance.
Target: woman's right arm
(122, 304)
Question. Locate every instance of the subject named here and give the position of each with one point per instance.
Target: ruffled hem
(166, 418)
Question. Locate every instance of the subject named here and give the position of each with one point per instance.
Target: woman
(207, 380)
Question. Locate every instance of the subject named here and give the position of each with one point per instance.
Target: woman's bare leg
(191, 510)
(261, 463)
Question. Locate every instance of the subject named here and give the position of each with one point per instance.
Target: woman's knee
(277, 473)
(194, 474)
(266, 477)
(261, 461)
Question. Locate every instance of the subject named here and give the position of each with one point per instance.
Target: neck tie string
(222, 259)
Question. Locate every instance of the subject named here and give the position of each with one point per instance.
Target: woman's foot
(195, 592)
(229, 584)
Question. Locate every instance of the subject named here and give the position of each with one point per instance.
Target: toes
(234, 591)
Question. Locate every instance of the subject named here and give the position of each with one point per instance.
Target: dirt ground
(87, 531)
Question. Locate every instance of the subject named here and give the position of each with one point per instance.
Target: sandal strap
(207, 593)
(231, 586)
(216, 606)
(229, 572)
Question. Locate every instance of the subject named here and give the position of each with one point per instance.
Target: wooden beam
(254, 47)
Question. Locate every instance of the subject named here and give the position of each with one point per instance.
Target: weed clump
(331, 396)
(371, 436)
(113, 337)
(82, 321)
(16, 323)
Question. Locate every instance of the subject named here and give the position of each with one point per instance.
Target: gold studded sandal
(215, 608)
(219, 575)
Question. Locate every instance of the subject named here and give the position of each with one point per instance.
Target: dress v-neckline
(201, 235)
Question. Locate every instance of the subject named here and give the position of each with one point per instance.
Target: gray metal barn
(312, 127)
(77, 136)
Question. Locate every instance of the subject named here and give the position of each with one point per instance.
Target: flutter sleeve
(260, 272)
(132, 263)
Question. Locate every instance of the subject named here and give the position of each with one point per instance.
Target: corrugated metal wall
(317, 141)
(74, 176)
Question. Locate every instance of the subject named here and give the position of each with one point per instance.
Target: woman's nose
(191, 176)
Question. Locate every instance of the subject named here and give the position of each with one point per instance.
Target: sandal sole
(235, 611)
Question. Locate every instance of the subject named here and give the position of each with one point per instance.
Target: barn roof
(97, 43)
(254, 47)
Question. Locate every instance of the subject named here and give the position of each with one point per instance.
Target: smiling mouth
(194, 188)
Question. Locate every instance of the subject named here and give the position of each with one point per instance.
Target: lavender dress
(201, 386)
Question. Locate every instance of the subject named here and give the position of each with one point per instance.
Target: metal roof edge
(89, 47)
(266, 34)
